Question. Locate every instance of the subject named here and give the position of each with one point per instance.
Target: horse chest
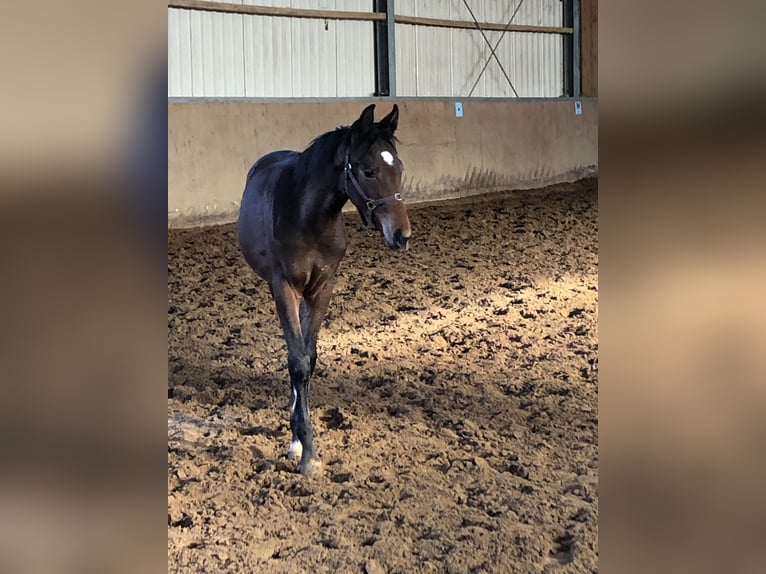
(312, 268)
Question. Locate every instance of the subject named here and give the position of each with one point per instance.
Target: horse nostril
(400, 241)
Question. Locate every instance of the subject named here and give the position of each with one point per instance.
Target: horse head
(373, 176)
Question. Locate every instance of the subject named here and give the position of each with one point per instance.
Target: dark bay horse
(292, 234)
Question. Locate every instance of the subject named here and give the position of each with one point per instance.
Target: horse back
(272, 160)
(255, 223)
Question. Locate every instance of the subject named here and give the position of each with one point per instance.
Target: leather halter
(369, 203)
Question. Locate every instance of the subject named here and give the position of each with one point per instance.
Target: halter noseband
(369, 203)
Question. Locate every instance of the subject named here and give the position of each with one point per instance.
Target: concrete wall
(495, 145)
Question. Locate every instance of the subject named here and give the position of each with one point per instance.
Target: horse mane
(320, 153)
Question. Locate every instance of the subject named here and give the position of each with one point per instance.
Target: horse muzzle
(399, 242)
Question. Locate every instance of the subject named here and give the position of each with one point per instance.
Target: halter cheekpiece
(369, 203)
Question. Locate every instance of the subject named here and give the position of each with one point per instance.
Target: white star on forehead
(387, 157)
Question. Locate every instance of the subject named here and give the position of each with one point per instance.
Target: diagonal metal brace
(493, 48)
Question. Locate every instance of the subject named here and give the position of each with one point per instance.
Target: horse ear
(391, 121)
(365, 121)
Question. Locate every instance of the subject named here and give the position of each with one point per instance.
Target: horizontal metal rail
(230, 8)
(418, 21)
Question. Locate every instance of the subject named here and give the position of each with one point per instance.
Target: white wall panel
(233, 55)
(406, 51)
(267, 46)
(493, 82)
(355, 52)
(447, 62)
(469, 50)
(434, 51)
(313, 61)
(179, 53)
(217, 55)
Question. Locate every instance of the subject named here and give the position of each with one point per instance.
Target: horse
(292, 234)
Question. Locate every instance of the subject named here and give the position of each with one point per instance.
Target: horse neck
(321, 196)
(322, 199)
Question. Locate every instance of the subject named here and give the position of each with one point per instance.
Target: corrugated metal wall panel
(267, 46)
(434, 49)
(217, 55)
(355, 55)
(533, 62)
(406, 51)
(309, 60)
(232, 55)
(447, 62)
(179, 53)
(468, 49)
(492, 82)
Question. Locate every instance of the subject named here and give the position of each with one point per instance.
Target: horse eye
(368, 173)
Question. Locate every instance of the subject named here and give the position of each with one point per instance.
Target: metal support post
(567, 56)
(391, 29)
(576, 48)
(385, 49)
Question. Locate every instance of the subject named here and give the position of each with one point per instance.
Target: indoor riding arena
(454, 401)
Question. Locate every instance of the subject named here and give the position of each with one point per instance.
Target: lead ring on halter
(369, 203)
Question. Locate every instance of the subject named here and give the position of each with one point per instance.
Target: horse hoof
(311, 467)
(296, 450)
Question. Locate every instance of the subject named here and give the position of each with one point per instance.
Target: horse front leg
(306, 312)
(313, 310)
(299, 364)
